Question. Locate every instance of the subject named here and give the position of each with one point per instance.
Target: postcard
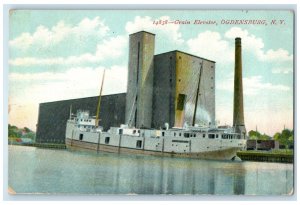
(172, 102)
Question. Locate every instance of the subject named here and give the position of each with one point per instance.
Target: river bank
(282, 156)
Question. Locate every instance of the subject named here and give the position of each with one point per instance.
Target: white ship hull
(224, 154)
(155, 142)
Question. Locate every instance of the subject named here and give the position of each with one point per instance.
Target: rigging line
(99, 101)
(132, 109)
(197, 94)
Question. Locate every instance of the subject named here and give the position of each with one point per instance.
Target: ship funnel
(238, 105)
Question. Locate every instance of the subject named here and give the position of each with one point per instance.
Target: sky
(61, 54)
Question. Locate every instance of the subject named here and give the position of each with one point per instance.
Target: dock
(264, 156)
(50, 146)
(44, 145)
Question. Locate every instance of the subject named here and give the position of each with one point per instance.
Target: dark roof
(82, 98)
(185, 54)
(143, 32)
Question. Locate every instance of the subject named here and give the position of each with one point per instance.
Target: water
(36, 170)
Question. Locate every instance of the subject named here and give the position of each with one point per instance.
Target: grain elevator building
(160, 89)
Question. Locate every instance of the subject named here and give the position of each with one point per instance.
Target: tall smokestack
(238, 105)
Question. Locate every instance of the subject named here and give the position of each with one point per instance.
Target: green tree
(27, 130)
(286, 137)
(30, 135)
(255, 135)
(15, 132)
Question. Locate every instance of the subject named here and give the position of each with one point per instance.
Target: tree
(286, 137)
(255, 135)
(264, 137)
(15, 132)
(27, 130)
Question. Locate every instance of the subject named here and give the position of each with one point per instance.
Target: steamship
(203, 142)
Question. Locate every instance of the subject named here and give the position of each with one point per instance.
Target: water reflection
(61, 171)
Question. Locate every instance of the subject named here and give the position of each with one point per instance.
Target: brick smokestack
(238, 105)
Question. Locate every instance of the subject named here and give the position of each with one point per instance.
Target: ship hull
(224, 154)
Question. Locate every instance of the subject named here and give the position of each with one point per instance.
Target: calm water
(35, 170)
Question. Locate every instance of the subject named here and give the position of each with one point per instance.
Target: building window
(120, 131)
(174, 134)
(80, 136)
(107, 140)
(134, 131)
(139, 144)
(180, 134)
(187, 135)
(163, 134)
(203, 135)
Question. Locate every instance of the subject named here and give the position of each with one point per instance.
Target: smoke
(202, 115)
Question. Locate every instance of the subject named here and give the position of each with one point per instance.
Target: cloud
(220, 48)
(282, 70)
(49, 37)
(255, 45)
(277, 55)
(113, 47)
(252, 85)
(47, 87)
(210, 45)
(167, 31)
(74, 83)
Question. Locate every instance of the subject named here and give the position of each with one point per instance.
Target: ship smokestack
(238, 105)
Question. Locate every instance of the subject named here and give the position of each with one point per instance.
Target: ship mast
(198, 88)
(99, 101)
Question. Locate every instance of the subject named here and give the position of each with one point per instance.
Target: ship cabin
(124, 130)
(205, 134)
(84, 122)
(135, 132)
(175, 133)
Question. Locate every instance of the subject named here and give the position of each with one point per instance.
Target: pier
(271, 156)
(51, 146)
(44, 145)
